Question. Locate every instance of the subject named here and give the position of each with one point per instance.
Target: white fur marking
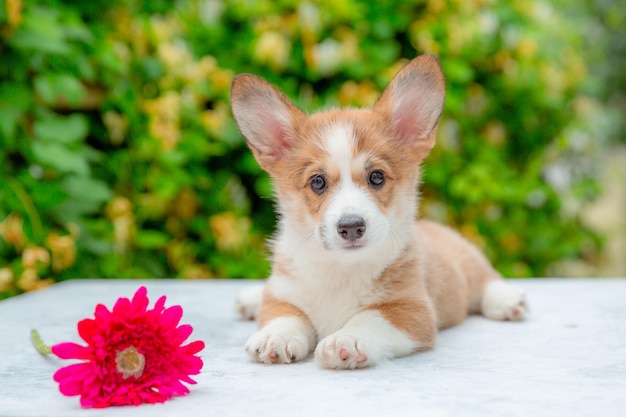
(366, 340)
(249, 301)
(349, 199)
(502, 301)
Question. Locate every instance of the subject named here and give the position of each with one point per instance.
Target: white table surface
(567, 359)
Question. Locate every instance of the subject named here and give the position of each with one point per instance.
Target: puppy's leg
(286, 334)
(377, 334)
(502, 301)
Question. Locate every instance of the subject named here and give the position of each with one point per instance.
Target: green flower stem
(41, 347)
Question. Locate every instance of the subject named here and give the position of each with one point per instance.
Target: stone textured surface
(567, 359)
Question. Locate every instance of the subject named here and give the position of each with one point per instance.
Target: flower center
(130, 362)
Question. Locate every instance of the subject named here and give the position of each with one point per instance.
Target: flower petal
(159, 305)
(75, 371)
(121, 307)
(140, 301)
(183, 332)
(72, 378)
(172, 316)
(86, 329)
(70, 350)
(193, 347)
(179, 389)
(187, 379)
(191, 365)
(102, 313)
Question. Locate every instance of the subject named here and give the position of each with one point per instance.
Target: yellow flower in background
(495, 133)
(309, 22)
(461, 31)
(273, 49)
(164, 114)
(362, 94)
(584, 106)
(185, 205)
(207, 64)
(117, 125)
(510, 242)
(63, 250)
(197, 271)
(220, 79)
(164, 28)
(35, 255)
(436, 6)
(214, 120)
(14, 12)
(174, 55)
(6, 279)
(327, 56)
(552, 78)
(230, 232)
(119, 207)
(503, 61)
(423, 41)
(477, 100)
(30, 281)
(120, 212)
(527, 48)
(12, 231)
(576, 70)
(198, 71)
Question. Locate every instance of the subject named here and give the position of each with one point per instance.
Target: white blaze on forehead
(347, 197)
(340, 142)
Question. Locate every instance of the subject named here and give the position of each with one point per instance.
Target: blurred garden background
(119, 157)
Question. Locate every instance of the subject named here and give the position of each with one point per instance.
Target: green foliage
(120, 158)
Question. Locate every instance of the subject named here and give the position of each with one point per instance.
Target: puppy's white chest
(328, 296)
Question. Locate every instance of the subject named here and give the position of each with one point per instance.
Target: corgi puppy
(355, 278)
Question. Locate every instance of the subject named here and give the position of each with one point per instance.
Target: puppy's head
(347, 177)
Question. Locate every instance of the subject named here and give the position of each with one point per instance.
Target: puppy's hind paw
(502, 301)
(249, 301)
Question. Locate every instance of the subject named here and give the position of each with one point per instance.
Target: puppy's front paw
(502, 301)
(284, 340)
(341, 352)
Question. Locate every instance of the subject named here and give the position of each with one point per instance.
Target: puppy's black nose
(351, 227)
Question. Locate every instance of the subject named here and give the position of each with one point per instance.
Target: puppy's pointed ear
(265, 117)
(413, 102)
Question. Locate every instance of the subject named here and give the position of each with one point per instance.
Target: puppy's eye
(318, 184)
(376, 178)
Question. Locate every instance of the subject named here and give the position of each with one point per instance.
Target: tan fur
(272, 308)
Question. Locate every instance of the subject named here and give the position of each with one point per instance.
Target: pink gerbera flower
(133, 355)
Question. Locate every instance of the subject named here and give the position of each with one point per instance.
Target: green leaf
(16, 95)
(59, 157)
(41, 31)
(152, 239)
(71, 211)
(63, 129)
(53, 87)
(87, 189)
(9, 116)
(457, 71)
(47, 195)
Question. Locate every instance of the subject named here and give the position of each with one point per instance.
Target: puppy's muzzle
(351, 228)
